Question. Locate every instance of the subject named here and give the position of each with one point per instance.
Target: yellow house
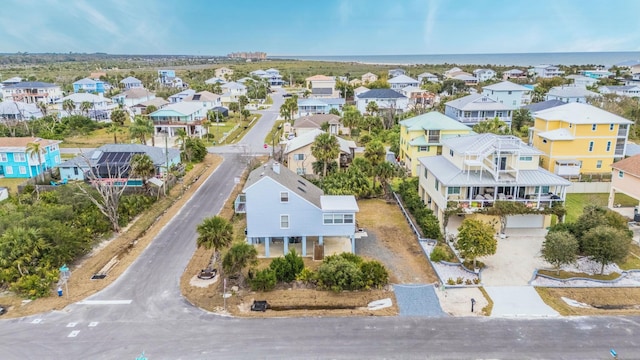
(625, 179)
(579, 139)
(422, 136)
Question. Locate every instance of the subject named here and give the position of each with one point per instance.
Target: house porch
(279, 246)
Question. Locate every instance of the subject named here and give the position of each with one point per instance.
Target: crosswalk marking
(74, 333)
(72, 324)
(93, 324)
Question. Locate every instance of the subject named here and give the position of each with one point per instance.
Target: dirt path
(122, 250)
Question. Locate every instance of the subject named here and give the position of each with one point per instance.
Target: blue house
(131, 83)
(319, 106)
(17, 162)
(284, 208)
(116, 156)
(89, 86)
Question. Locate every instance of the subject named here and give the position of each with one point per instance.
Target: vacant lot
(576, 202)
(599, 301)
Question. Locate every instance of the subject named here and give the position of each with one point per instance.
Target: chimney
(276, 167)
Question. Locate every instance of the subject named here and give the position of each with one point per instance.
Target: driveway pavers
(418, 300)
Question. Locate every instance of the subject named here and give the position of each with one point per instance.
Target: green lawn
(576, 202)
(11, 184)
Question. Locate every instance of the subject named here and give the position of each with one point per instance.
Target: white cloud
(430, 22)
(344, 11)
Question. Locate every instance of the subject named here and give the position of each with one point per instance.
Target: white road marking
(74, 333)
(36, 321)
(72, 324)
(93, 324)
(105, 302)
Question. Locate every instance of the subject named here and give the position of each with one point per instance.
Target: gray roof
(505, 86)
(315, 121)
(30, 84)
(478, 142)
(543, 105)
(156, 154)
(620, 87)
(321, 91)
(450, 175)
(571, 91)
(402, 79)
(130, 80)
(477, 102)
(310, 136)
(632, 149)
(381, 94)
(288, 179)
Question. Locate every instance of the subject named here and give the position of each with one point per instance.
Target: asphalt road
(143, 310)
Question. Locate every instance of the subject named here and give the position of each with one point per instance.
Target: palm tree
(68, 106)
(214, 232)
(494, 126)
(142, 167)
(375, 153)
(140, 128)
(114, 129)
(239, 256)
(85, 106)
(119, 116)
(384, 171)
(372, 108)
(43, 108)
(33, 149)
(325, 149)
(182, 137)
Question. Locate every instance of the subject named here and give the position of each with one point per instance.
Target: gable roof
(579, 113)
(360, 89)
(183, 94)
(214, 80)
(401, 79)
(369, 74)
(571, 91)
(477, 102)
(474, 142)
(130, 80)
(310, 136)
(319, 78)
(427, 74)
(135, 93)
(620, 87)
(315, 121)
(381, 94)
(157, 102)
(465, 77)
(544, 105)
(156, 154)
(184, 108)
(85, 81)
(203, 96)
(630, 165)
(20, 143)
(287, 178)
(31, 85)
(505, 86)
(321, 91)
(233, 86)
(433, 120)
(82, 97)
(23, 109)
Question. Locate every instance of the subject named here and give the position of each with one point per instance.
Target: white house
(369, 78)
(384, 98)
(428, 77)
(396, 72)
(401, 81)
(16, 110)
(232, 91)
(32, 92)
(582, 81)
(100, 107)
(179, 97)
(484, 74)
(568, 93)
(629, 91)
(131, 83)
(185, 115)
(360, 90)
(475, 108)
(514, 74)
(508, 93)
(546, 71)
(468, 79)
(133, 96)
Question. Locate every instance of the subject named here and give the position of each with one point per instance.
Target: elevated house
(508, 93)
(475, 171)
(183, 115)
(322, 86)
(16, 110)
(468, 79)
(570, 93)
(298, 156)
(17, 162)
(475, 108)
(99, 109)
(179, 97)
(369, 78)
(131, 83)
(396, 72)
(141, 108)
(32, 92)
(111, 163)
(582, 81)
(286, 211)
(422, 135)
(546, 71)
(319, 106)
(514, 74)
(628, 91)
(208, 100)
(384, 98)
(401, 81)
(231, 91)
(133, 96)
(427, 77)
(578, 138)
(90, 86)
(484, 74)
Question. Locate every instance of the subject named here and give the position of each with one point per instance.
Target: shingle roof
(315, 121)
(233, 85)
(465, 77)
(22, 142)
(85, 97)
(401, 79)
(381, 94)
(310, 136)
(129, 80)
(571, 91)
(578, 113)
(136, 93)
(621, 87)
(319, 78)
(505, 86)
(535, 107)
(184, 107)
(156, 154)
(19, 108)
(30, 84)
(203, 96)
(630, 165)
(321, 91)
(433, 121)
(157, 102)
(288, 179)
(476, 102)
(85, 81)
(360, 90)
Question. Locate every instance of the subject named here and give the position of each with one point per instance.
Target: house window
(608, 145)
(75, 171)
(433, 136)
(9, 170)
(509, 92)
(499, 114)
(610, 127)
(620, 174)
(19, 157)
(23, 170)
(594, 127)
(545, 190)
(426, 172)
(423, 148)
(451, 152)
(337, 219)
(437, 185)
(298, 156)
(284, 221)
(300, 171)
(599, 164)
(3, 157)
(467, 114)
(284, 196)
(544, 141)
(590, 145)
(453, 190)
(526, 158)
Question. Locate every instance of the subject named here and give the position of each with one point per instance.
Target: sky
(318, 27)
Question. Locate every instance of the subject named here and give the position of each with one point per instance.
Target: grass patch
(275, 133)
(244, 127)
(604, 301)
(575, 203)
(96, 138)
(12, 184)
(568, 275)
(486, 311)
(632, 261)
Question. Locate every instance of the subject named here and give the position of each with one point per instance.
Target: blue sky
(319, 27)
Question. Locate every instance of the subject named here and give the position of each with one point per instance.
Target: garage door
(525, 221)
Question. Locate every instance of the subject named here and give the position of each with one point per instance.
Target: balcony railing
(530, 201)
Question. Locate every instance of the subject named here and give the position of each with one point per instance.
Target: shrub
(438, 254)
(374, 274)
(287, 268)
(339, 274)
(307, 276)
(476, 281)
(264, 280)
(450, 281)
(459, 280)
(468, 282)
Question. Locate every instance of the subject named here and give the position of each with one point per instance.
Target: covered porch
(477, 197)
(272, 247)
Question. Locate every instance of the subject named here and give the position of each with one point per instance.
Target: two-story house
(402, 81)
(231, 91)
(322, 86)
(185, 115)
(166, 77)
(16, 110)
(217, 80)
(475, 108)
(369, 78)
(99, 107)
(133, 96)
(319, 106)
(384, 98)
(396, 72)
(299, 158)
(89, 86)
(484, 74)
(130, 83)
(581, 80)
(307, 123)
(422, 135)
(284, 208)
(628, 91)
(514, 74)
(625, 178)
(16, 161)
(508, 93)
(546, 71)
(427, 77)
(474, 171)
(579, 139)
(273, 77)
(208, 100)
(32, 92)
(179, 97)
(570, 93)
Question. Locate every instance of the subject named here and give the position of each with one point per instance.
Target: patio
(332, 245)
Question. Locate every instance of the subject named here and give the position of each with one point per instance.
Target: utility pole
(166, 170)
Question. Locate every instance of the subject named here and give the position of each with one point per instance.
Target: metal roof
(380, 94)
(475, 142)
(578, 113)
(338, 203)
(505, 86)
(477, 102)
(557, 134)
(433, 120)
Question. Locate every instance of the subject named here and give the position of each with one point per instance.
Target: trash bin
(636, 214)
(59, 291)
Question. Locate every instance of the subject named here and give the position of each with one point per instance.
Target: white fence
(589, 187)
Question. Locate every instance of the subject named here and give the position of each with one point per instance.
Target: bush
(450, 281)
(438, 254)
(374, 274)
(287, 268)
(307, 276)
(263, 280)
(339, 274)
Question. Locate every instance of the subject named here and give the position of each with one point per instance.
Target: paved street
(143, 310)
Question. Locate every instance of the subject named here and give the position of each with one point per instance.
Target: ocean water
(520, 59)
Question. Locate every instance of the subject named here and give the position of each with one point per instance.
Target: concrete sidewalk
(518, 301)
